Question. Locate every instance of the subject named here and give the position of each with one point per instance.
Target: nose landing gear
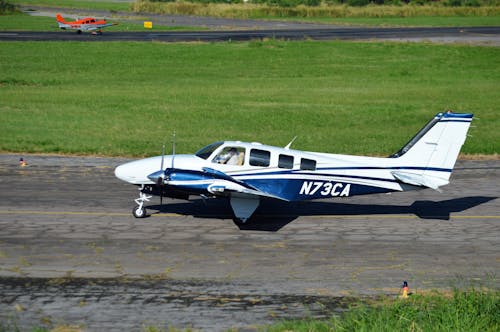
(140, 211)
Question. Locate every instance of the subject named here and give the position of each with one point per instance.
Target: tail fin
(59, 18)
(429, 157)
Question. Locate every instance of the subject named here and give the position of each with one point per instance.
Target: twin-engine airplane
(84, 24)
(248, 172)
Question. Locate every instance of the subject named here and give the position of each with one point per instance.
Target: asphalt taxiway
(483, 35)
(71, 250)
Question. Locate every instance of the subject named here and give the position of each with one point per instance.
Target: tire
(139, 212)
(239, 222)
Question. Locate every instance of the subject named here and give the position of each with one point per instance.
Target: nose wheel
(140, 211)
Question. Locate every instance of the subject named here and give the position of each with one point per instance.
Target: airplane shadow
(273, 215)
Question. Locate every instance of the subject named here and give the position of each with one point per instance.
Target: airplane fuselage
(247, 172)
(288, 174)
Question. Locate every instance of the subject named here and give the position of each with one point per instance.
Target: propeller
(159, 176)
(160, 181)
(173, 150)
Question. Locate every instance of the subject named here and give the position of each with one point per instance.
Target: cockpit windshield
(205, 152)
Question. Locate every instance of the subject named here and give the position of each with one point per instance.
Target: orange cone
(405, 289)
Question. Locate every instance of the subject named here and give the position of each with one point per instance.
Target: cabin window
(207, 151)
(307, 164)
(260, 157)
(230, 155)
(285, 161)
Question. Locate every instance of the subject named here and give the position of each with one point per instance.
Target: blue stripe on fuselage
(462, 121)
(299, 189)
(300, 172)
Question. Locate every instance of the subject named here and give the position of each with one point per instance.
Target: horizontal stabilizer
(420, 180)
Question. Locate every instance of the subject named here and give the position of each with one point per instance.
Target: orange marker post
(405, 289)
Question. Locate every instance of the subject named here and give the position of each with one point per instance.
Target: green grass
(22, 22)
(304, 12)
(81, 4)
(430, 21)
(343, 15)
(469, 310)
(462, 310)
(343, 97)
(39, 23)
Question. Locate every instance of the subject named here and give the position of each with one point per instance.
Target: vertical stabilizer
(60, 19)
(432, 153)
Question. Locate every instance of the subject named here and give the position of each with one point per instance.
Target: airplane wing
(97, 26)
(231, 185)
(107, 25)
(218, 188)
(244, 198)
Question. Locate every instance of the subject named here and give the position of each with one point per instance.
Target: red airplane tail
(59, 18)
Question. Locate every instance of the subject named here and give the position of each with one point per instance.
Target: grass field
(325, 11)
(338, 15)
(81, 4)
(39, 23)
(343, 97)
(463, 310)
(22, 22)
(430, 21)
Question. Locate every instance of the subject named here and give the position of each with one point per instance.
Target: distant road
(484, 35)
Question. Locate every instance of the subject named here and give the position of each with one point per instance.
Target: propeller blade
(159, 177)
(162, 176)
(162, 157)
(173, 150)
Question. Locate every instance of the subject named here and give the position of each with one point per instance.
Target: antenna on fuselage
(290, 144)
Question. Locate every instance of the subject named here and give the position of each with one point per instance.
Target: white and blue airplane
(245, 173)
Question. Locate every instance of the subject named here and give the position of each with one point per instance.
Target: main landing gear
(140, 211)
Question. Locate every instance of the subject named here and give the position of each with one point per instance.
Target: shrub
(472, 3)
(358, 3)
(454, 3)
(7, 8)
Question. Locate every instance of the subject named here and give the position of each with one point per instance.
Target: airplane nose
(130, 173)
(122, 173)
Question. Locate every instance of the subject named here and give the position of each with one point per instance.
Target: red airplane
(84, 24)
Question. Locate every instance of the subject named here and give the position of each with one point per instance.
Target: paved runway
(470, 34)
(69, 218)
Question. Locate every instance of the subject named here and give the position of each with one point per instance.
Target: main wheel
(239, 222)
(139, 212)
